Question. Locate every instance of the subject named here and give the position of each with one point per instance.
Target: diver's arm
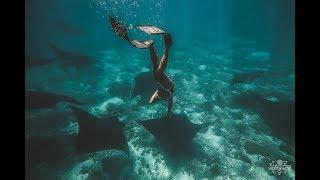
(164, 60)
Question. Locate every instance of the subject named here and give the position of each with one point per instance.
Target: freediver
(165, 84)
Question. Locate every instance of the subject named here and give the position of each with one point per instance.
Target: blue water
(232, 62)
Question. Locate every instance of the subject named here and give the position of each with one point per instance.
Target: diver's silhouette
(164, 83)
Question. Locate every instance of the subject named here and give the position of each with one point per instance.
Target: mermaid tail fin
(142, 44)
(121, 31)
(151, 29)
(118, 28)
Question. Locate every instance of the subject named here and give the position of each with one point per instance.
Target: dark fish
(39, 99)
(67, 58)
(174, 134)
(33, 61)
(145, 85)
(279, 115)
(98, 133)
(247, 77)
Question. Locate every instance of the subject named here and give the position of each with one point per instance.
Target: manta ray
(279, 115)
(247, 77)
(95, 134)
(98, 133)
(144, 84)
(39, 99)
(174, 134)
(34, 61)
(69, 58)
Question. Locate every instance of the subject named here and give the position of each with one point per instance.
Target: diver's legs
(164, 60)
(153, 56)
(170, 102)
(154, 97)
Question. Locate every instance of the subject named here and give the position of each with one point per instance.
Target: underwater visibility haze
(87, 90)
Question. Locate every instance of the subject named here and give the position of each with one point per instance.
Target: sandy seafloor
(236, 143)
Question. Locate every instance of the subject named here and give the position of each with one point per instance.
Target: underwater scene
(159, 89)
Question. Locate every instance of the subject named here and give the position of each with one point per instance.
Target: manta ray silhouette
(34, 61)
(247, 77)
(279, 115)
(46, 149)
(39, 99)
(144, 85)
(68, 58)
(95, 134)
(174, 134)
(98, 133)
